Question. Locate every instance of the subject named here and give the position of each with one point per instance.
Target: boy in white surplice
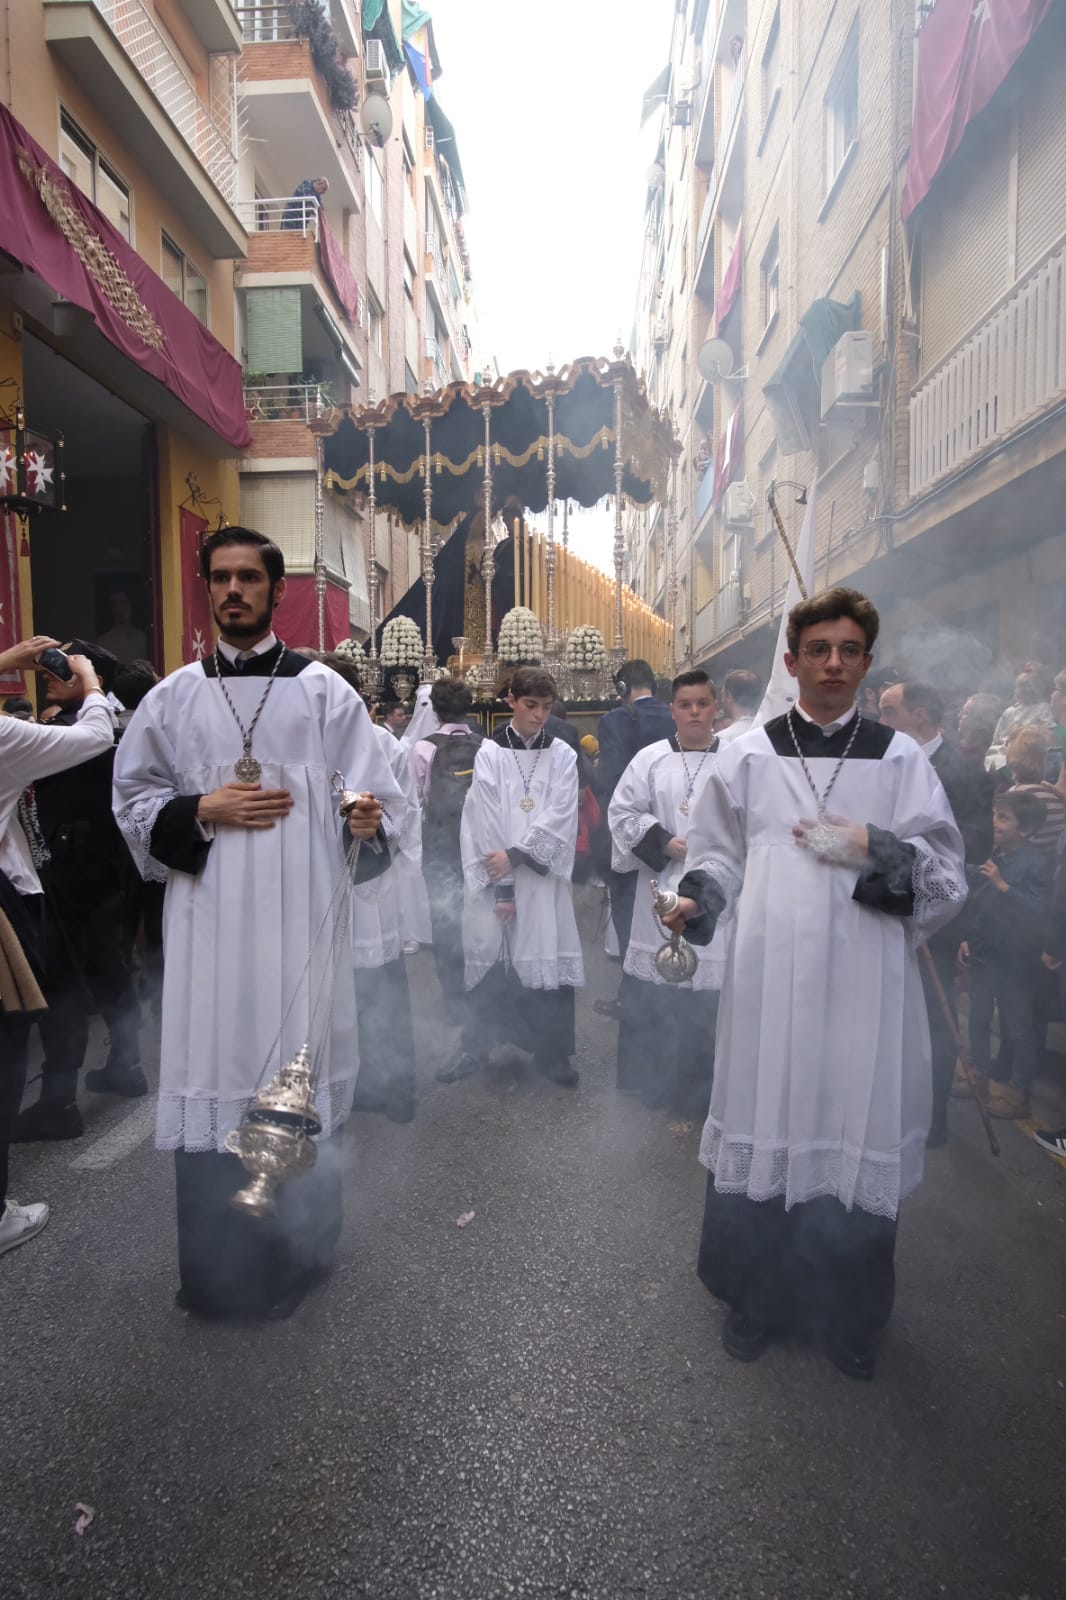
(520, 938)
(833, 842)
(666, 1030)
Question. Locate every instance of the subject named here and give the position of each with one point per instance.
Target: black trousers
(623, 887)
(1014, 993)
(666, 1044)
(500, 1011)
(444, 889)
(231, 1264)
(817, 1269)
(14, 1038)
(89, 967)
(386, 1041)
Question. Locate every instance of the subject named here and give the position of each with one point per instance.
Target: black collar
(675, 744)
(290, 665)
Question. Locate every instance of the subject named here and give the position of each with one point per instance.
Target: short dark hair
(342, 665)
(1028, 809)
(634, 675)
(273, 560)
(923, 697)
(16, 705)
(696, 679)
(829, 606)
(133, 681)
(745, 688)
(450, 698)
(534, 683)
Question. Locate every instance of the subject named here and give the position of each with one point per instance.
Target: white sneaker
(20, 1223)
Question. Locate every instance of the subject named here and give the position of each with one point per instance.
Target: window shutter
(965, 244)
(275, 333)
(1041, 173)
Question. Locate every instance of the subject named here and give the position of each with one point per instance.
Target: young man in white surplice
(666, 1030)
(520, 938)
(223, 790)
(833, 842)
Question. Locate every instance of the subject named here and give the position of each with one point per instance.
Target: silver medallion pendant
(683, 808)
(527, 802)
(247, 769)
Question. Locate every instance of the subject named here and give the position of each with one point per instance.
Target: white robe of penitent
(257, 957)
(822, 1082)
(542, 943)
(649, 795)
(378, 930)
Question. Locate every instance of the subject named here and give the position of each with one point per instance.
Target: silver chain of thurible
(822, 800)
(247, 769)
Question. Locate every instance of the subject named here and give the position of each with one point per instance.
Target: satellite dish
(375, 119)
(656, 175)
(715, 360)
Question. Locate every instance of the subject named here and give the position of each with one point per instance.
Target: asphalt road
(537, 1404)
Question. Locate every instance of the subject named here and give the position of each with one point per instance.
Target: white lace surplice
(237, 933)
(542, 943)
(651, 790)
(822, 1082)
(380, 908)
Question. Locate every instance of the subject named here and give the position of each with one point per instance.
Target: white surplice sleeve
(918, 867)
(629, 815)
(717, 848)
(145, 780)
(550, 841)
(484, 827)
(403, 821)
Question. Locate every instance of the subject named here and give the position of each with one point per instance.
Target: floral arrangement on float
(585, 649)
(351, 649)
(521, 637)
(401, 643)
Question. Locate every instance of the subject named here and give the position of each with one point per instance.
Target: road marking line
(120, 1141)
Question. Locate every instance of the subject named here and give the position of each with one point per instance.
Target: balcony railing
(1006, 372)
(291, 214)
(291, 402)
(266, 24)
(146, 47)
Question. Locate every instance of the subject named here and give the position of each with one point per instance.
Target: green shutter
(275, 335)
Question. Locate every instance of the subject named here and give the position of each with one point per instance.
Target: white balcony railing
(287, 402)
(157, 64)
(1007, 371)
(266, 24)
(288, 214)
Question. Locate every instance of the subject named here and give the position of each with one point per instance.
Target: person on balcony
(300, 209)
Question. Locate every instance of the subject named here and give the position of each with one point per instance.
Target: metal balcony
(287, 402)
(127, 67)
(284, 214)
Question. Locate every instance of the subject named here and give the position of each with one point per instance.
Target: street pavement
(537, 1404)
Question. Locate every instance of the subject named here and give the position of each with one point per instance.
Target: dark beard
(248, 627)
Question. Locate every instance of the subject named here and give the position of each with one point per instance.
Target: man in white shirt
(741, 693)
(28, 752)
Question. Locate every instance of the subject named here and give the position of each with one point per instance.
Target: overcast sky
(546, 100)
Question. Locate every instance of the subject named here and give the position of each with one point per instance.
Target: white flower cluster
(352, 649)
(521, 637)
(401, 643)
(585, 650)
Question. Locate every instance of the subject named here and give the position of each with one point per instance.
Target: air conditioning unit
(376, 67)
(848, 377)
(739, 504)
(660, 336)
(681, 114)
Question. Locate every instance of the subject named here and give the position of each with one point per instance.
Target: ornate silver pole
(566, 524)
(619, 652)
(372, 673)
(429, 660)
(320, 545)
(488, 559)
(671, 540)
(553, 642)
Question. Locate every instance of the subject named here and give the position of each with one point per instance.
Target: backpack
(450, 780)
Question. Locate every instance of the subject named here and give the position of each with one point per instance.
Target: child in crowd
(1006, 925)
(1026, 760)
(520, 938)
(666, 1031)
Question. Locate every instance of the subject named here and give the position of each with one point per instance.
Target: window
(771, 70)
(765, 525)
(375, 189)
(408, 166)
(770, 281)
(842, 110)
(94, 176)
(377, 327)
(180, 275)
(408, 277)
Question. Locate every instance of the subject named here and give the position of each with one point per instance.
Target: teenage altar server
(666, 1030)
(520, 939)
(223, 789)
(833, 839)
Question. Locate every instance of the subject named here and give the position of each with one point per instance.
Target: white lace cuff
(548, 850)
(136, 822)
(938, 893)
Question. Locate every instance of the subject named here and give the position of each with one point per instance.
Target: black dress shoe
(853, 1357)
(128, 1081)
(560, 1072)
(48, 1120)
(743, 1338)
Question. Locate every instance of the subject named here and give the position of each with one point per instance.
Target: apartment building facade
(906, 357)
(118, 233)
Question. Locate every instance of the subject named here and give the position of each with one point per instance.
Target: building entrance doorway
(93, 566)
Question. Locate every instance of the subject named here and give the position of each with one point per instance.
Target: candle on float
(516, 550)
